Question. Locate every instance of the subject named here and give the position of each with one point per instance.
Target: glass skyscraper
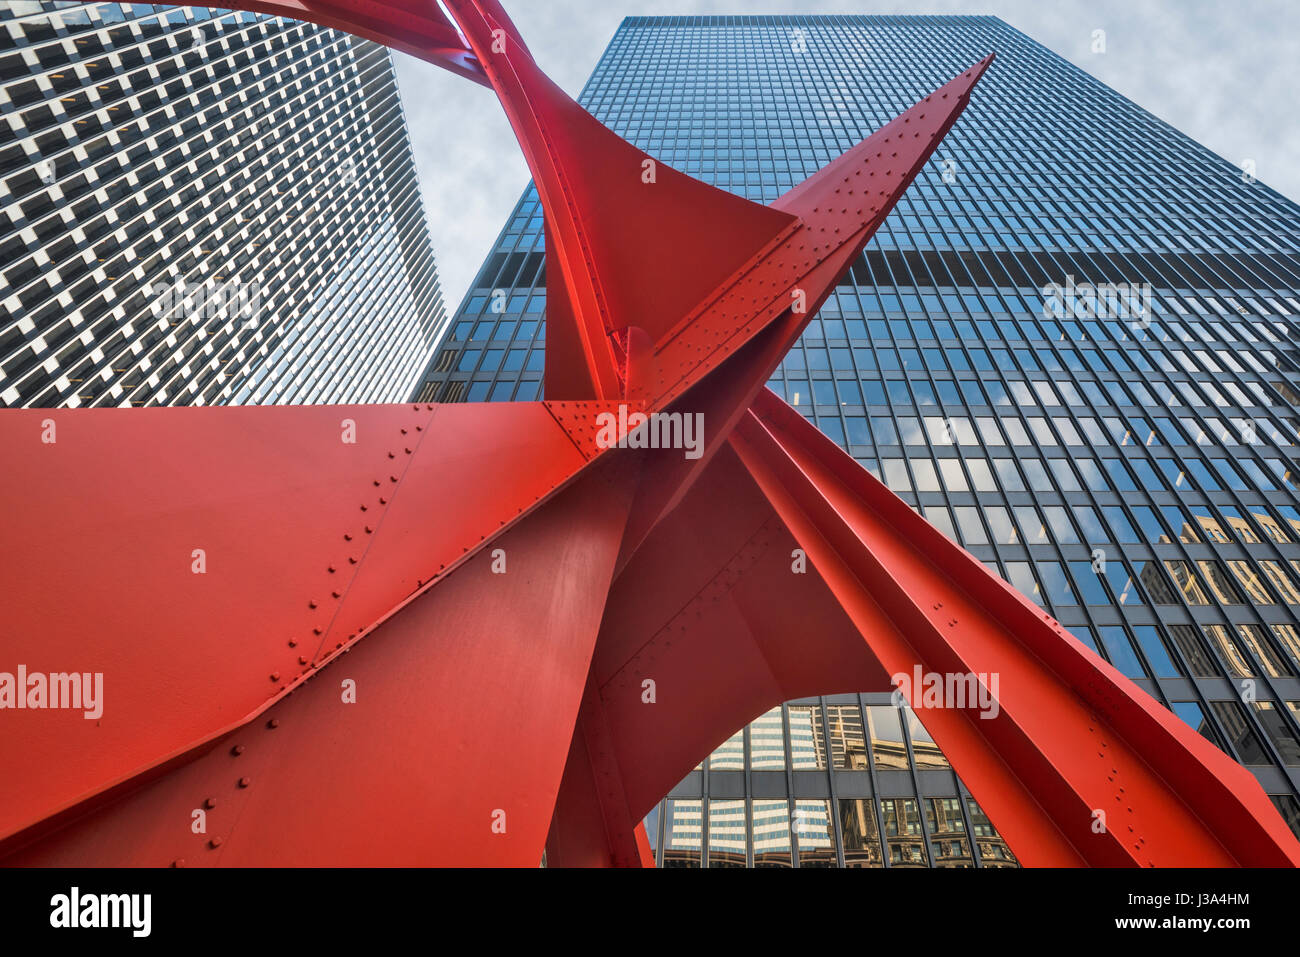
(1072, 347)
(203, 207)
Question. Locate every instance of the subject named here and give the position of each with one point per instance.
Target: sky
(1225, 73)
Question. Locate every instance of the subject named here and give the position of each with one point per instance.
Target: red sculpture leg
(1076, 764)
(208, 561)
(451, 752)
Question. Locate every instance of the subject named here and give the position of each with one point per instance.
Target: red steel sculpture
(464, 634)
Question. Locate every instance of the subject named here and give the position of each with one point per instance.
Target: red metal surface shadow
(475, 632)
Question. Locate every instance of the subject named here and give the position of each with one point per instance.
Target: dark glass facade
(1072, 347)
(203, 207)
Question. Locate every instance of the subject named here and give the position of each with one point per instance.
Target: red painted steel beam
(1076, 764)
(451, 753)
(209, 561)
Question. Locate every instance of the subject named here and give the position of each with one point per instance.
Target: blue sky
(1225, 73)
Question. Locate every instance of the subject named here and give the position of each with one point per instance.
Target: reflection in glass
(684, 833)
(1195, 653)
(924, 750)
(947, 833)
(1278, 730)
(1192, 714)
(848, 745)
(1238, 664)
(1251, 583)
(903, 833)
(1187, 583)
(1257, 641)
(1220, 584)
(1155, 584)
(767, 741)
(726, 833)
(1289, 808)
(994, 851)
(772, 834)
(815, 833)
(860, 833)
(1288, 636)
(1233, 718)
(886, 738)
(730, 755)
(1271, 526)
(1284, 583)
(807, 742)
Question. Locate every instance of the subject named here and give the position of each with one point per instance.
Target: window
(730, 755)
(771, 833)
(1199, 660)
(807, 742)
(684, 833)
(887, 747)
(1282, 582)
(903, 833)
(1191, 713)
(848, 745)
(1279, 732)
(947, 832)
(860, 834)
(970, 526)
(1186, 581)
(994, 851)
(767, 740)
(1251, 582)
(1288, 637)
(1254, 637)
(1120, 651)
(1243, 738)
(1220, 584)
(814, 833)
(1157, 654)
(925, 752)
(727, 834)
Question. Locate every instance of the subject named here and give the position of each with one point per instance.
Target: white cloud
(1224, 74)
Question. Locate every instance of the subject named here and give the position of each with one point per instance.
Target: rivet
(209, 803)
(275, 676)
(237, 750)
(245, 782)
(214, 842)
(273, 723)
